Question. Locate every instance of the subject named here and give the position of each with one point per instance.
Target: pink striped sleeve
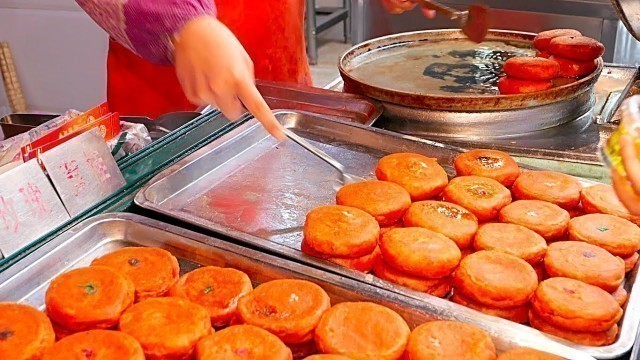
(146, 26)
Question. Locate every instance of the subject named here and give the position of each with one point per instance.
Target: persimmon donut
(562, 81)
(578, 48)
(89, 298)
(526, 354)
(450, 220)
(327, 357)
(466, 252)
(61, 332)
(511, 239)
(482, 196)
(167, 328)
(450, 340)
(341, 231)
(363, 264)
(96, 344)
(495, 279)
(548, 220)
(512, 86)
(216, 289)
(384, 200)
(242, 342)
(616, 235)
(630, 262)
(585, 262)
(396, 225)
(572, 68)
(518, 314)
(302, 351)
(602, 199)
(152, 270)
(491, 164)
(542, 40)
(437, 287)
(540, 271)
(25, 332)
(576, 211)
(420, 252)
(289, 309)
(554, 187)
(361, 331)
(573, 305)
(599, 338)
(531, 68)
(620, 295)
(421, 176)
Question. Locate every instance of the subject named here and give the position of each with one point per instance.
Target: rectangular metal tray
(252, 188)
(28, 280)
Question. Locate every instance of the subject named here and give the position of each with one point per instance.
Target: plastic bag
(132, 138)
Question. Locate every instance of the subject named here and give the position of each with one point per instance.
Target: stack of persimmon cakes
(461, 238)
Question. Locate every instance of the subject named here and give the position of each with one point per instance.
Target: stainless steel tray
(254, 189)
(27, 281)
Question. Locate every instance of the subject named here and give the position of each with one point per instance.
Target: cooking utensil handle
(439, 8)
(614, 99)
(317, 152)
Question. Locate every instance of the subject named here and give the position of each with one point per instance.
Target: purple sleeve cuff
(146, 26)
(151, 25)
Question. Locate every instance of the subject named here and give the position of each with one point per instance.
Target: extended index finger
(255, 104)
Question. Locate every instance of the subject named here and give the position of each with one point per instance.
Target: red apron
(272, 32)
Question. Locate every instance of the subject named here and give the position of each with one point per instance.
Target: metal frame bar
(334, 15)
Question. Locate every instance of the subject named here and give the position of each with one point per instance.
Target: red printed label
(69, 127)
(109, 127)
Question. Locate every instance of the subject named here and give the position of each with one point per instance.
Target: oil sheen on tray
(270, 196)
(442, 67)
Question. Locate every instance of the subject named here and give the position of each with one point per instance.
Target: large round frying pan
(438, 81)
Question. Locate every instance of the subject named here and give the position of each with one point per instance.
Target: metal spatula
(474, 22)
(345, 178)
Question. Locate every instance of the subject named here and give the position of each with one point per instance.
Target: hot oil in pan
(443, 67)
(478, 73)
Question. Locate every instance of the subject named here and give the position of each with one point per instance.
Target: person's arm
(212, 66)
(400, 6)
(146, 27)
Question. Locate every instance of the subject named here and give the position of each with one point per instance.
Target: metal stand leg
(332, 17)
(312, 46)
(347, 21)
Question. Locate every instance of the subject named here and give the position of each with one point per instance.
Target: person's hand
(400, 6)
(213, 68)
(628, 188)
